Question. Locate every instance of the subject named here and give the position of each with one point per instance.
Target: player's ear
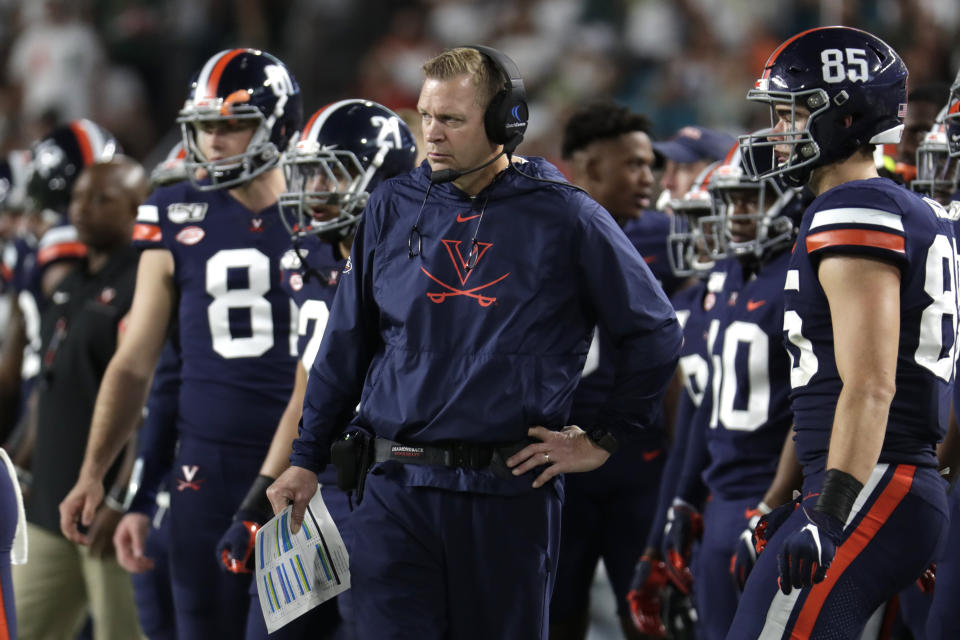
(593, 168)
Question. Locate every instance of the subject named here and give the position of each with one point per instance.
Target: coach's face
(453, 124)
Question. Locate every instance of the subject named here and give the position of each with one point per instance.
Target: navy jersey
(311, 286)
(237, 342)
(443, 352)
(648, 234)
(749, 382)
(875, 218)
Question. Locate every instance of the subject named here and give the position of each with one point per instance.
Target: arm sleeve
(350, 340)
(633, 308)
(157, 439)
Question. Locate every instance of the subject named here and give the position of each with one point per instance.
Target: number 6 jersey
(875, 219)
(237, 328)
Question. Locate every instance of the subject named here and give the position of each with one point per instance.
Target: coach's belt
(453, 454)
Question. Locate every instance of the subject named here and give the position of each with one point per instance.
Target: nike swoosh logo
(462, 218)
(649, 259)
(753, 305)
(650, 455)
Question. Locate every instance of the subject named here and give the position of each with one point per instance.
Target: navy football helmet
(834, 73)
(239, 85)
(57, 160)
(757, 216)
(938, 171)
(693, 242)
(347, 149)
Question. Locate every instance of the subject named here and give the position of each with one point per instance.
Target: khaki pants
(61, 584)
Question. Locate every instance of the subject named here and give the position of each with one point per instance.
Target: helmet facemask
(318, 181)
(938, 171)
(753, 211)
(694, 240)
(259, 156)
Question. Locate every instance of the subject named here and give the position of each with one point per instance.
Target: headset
(507, 114)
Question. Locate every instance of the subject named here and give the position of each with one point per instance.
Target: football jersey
(875, 218)
(311, 271)
(237, 331)
(749, 382)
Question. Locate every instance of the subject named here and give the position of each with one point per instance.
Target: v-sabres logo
(463, 274)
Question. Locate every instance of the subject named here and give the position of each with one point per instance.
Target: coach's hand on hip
(295, 486)
(566, 451)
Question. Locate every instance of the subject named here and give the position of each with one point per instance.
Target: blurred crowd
(123, 62)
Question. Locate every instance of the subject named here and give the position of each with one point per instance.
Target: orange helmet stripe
(217, 71)
(776, 52)
(86, 148)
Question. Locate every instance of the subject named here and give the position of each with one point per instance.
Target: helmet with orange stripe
(347, 149)
(938, 170)
(693, 241)
(831, 91)
(239, 88)
(56, 161)
(172, 168)
(952, 119)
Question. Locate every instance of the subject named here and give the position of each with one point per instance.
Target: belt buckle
(470, 456)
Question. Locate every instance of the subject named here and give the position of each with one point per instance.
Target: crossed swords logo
(453, 250)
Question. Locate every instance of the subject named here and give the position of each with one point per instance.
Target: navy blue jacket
(434, 351)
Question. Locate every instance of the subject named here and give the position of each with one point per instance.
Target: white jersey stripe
(148, 213)
(857, 215)
(58, 235)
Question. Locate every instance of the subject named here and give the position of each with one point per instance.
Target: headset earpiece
(506, 117)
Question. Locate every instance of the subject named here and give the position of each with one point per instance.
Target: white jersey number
(938, 323)
(317, 311)
(756, 377)
(249, 299)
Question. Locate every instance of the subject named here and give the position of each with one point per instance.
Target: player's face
(220, 139)
(322, 183)
(625, 180)
(452, 123)
(101, 209)
(678, 177)
(787, 121)
(742, 207)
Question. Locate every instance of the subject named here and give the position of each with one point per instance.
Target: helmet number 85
(856, 69)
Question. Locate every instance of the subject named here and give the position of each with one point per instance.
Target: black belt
(454, 454)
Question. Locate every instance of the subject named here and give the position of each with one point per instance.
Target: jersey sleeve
(866, 231)
(146, 232)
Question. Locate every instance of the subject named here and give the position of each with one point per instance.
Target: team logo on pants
(189, 479)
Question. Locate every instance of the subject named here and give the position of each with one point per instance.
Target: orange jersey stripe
(856, 237)
(147, 232)
(891, 496)
(86, 149)
(218, 71)
(60, 251)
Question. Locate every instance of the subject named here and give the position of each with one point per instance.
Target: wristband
(838, 493)
(256, 500)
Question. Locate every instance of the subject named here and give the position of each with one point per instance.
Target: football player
(736, 438)
(347, 149)
(212, 249)
(692, 250)
(870, 318)
(943, 620)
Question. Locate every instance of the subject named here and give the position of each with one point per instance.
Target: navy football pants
(151, 589)
(895, 530)
(430, 563)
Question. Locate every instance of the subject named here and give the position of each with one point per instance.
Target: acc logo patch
(190, 235)
(183, 212)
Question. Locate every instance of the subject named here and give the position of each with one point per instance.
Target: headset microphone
(449, 175)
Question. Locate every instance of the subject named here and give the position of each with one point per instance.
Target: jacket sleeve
(633, 308)
(350, 340)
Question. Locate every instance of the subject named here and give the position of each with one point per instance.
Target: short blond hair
(487, 79)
